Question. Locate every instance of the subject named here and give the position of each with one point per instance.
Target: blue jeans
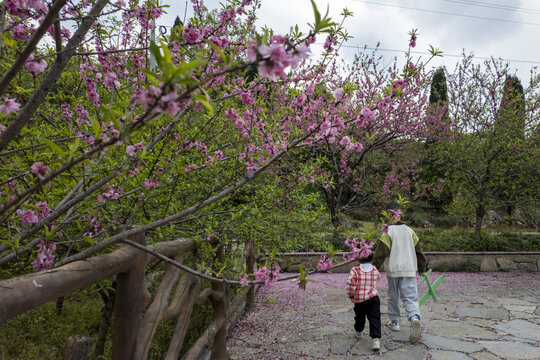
(406, 288)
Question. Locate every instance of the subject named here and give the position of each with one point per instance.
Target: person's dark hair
(392, 205)
(366, 259)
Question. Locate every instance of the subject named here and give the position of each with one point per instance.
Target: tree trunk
(480, 213)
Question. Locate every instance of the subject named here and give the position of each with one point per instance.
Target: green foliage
(42, 334)
(463, 240)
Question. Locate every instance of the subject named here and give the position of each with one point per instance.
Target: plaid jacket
(361, 285)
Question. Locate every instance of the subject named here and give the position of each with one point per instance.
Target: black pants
(372, 310)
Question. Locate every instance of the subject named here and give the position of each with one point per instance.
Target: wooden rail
(136, 315)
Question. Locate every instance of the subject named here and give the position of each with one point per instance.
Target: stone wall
(438, 261)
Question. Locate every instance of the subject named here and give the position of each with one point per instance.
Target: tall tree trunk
(332, 205)
(480, 213)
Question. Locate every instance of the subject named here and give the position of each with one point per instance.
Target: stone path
(482, 316)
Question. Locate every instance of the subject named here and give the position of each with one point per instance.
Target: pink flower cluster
(30, 217)
(359, 249)
(8, 106)
(274, 58)
(111, 194)
(132, 150)
(244, 281)
(267, 276)
(40, 170)
(396, 214)
(151, 183)
(34, 66)
(325, 263)
(45, 257)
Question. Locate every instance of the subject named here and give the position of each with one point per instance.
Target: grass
(42, 334)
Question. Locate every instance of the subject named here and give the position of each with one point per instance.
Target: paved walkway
(481, 316)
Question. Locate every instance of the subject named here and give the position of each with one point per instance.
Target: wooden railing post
(220, 304)
(129, 305)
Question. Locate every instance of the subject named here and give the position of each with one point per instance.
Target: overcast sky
(507, 29)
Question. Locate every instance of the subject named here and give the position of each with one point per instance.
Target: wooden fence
(136, 315)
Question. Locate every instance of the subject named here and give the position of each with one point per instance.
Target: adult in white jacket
(402, 255)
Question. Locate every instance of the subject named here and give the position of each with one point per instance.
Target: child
(403, 258)
(362, 292)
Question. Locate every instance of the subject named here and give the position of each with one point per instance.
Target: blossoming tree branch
(94, 135)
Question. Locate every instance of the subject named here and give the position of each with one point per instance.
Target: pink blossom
(45, 257)
(277, 60)
(111, 80)
(191, 34)
(9, 106)
(134, 171)
(345, 141)
(338, 94)
(27, 217)
(35, 67)
(231, 114)
(40, 169)
(367, 114)
(310, 89)
(244, 281)
(328, 44)
(324, 264)
(37, 5)
(43, 210)
(396, 214)
(151, 183)
(267, 276)
(412, 43)
(19, 33)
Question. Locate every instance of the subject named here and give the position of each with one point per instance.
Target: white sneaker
(393, 325)
(376, 345)
(415, 331)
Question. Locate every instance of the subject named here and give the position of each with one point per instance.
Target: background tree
(481, 148)
(434, 169)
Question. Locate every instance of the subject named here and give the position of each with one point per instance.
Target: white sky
(507, 29)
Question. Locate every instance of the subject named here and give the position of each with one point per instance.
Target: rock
(448, 355)
(511, 350)
(482, 312)
(445, 343)
(521, 328)
(410, 352)
(488, 263)
(484, 355)
(459, 329)
(530, 267)
(506, 265)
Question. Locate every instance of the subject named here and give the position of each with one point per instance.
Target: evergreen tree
(434, 164)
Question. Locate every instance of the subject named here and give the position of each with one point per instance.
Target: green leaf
(155, 51)
(53, 147)
(218, 50)
(96, 127)
(203, 100)
(8, 243)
